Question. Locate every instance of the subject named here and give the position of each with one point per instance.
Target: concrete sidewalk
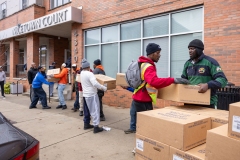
(61, 133)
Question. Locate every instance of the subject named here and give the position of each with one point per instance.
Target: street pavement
(61, 132)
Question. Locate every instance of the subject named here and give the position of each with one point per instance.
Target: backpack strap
(143, 68)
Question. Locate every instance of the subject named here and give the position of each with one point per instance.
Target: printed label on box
(176, 157)
(236, 124)
(139, 144)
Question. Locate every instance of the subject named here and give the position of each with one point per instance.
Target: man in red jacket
(146, 93)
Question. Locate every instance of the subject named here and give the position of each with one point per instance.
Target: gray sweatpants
(94, 108)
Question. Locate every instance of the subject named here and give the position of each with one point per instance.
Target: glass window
(92, 37)
(156, 26)
(24, 4)
(59, 2)
(109, 34)
(91, 54)
(179, 52)
(131, 30)
(129, 51)
(162, 64)
(43, 56)
(56, 3)
(110, 59)
(187, 21)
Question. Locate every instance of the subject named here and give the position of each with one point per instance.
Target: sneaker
(97, 129)
(59, 106)
(3, 97)
(134, 151)
(73, 108)
(129, 131)
(46, 107)
(31, 107)
(64, 107)
(87, 126)
(81, 113)
(102, 118)
(39, 102)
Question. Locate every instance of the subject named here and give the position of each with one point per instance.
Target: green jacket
(205, 70)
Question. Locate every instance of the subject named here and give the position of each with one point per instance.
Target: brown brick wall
(32, 49)
(14, 56)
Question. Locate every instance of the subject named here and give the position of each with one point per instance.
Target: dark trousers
(39, 93)
(100, 96)
(2, 87)
(31, 93)
(142, 106)
(87, 116)
(76, 103)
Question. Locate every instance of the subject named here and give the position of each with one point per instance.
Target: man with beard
(204, 71)
(39, 93)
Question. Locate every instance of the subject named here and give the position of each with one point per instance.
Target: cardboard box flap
(53, 71)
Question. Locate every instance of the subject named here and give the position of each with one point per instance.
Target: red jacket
(150, 76)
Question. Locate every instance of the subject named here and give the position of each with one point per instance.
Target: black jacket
(31, 74)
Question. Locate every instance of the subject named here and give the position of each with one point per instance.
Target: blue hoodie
(39, 80)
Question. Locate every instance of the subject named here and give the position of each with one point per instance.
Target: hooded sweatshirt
(150, 76)
(62, 75)
(39, 80)
(2, 76)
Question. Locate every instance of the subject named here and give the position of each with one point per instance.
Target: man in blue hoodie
(39, 93)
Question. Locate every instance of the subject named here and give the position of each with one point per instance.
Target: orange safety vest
(151, 90)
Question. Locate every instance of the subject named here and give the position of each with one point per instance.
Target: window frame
(142, 38)
(52, 2)
(5, 14)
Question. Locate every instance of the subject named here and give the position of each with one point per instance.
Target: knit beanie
(97, 62)
(85, 63)
(197, 44)
(152, 48)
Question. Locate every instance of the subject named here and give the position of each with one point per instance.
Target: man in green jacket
(204, 71)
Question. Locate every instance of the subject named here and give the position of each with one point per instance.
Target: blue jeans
(133, 118)
(39, 93)
(61, 88)
(76, 103)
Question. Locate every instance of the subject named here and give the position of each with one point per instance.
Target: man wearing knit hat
(98, 69)
(90, 97)
(204, 71)
(61, 86)
(146, 93)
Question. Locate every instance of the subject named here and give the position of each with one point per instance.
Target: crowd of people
(200, 70)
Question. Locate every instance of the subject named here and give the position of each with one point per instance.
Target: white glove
(104, 88)
(51, 75)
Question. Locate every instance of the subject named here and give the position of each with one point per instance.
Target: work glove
(181, 81)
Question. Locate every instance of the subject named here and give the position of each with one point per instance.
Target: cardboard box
(176, 128)
(197, 153)
(53, 71)
(109, 82)
(221, 147)
(218, 117)
(120, 80)
(147, 148)
(234, 121)
(52, 79)
(185, 94)
(78, 78)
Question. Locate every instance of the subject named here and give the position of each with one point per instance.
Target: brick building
(117, 31)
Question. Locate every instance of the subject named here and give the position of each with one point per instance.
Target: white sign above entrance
(69, 14)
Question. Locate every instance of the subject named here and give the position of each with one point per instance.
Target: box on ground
(221, 147)
(120, 80)
(53, 71)
(52, 79)
(185, 94)
(176, 128)
(218, 117)
(234, 121)
(147, 148)
(197, 153)
(109, 82)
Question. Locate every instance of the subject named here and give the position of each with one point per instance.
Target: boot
(59, 106)
(46, 107)
(97, 129)
(87, 126)
(81, 113)
(64, 107)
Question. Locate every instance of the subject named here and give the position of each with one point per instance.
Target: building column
(14, 55)
(32, 49)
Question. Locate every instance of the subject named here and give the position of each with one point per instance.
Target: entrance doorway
(43, 56)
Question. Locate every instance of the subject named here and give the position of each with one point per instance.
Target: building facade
(117, 32)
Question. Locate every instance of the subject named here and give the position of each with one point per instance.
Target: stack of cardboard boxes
(188, 132)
